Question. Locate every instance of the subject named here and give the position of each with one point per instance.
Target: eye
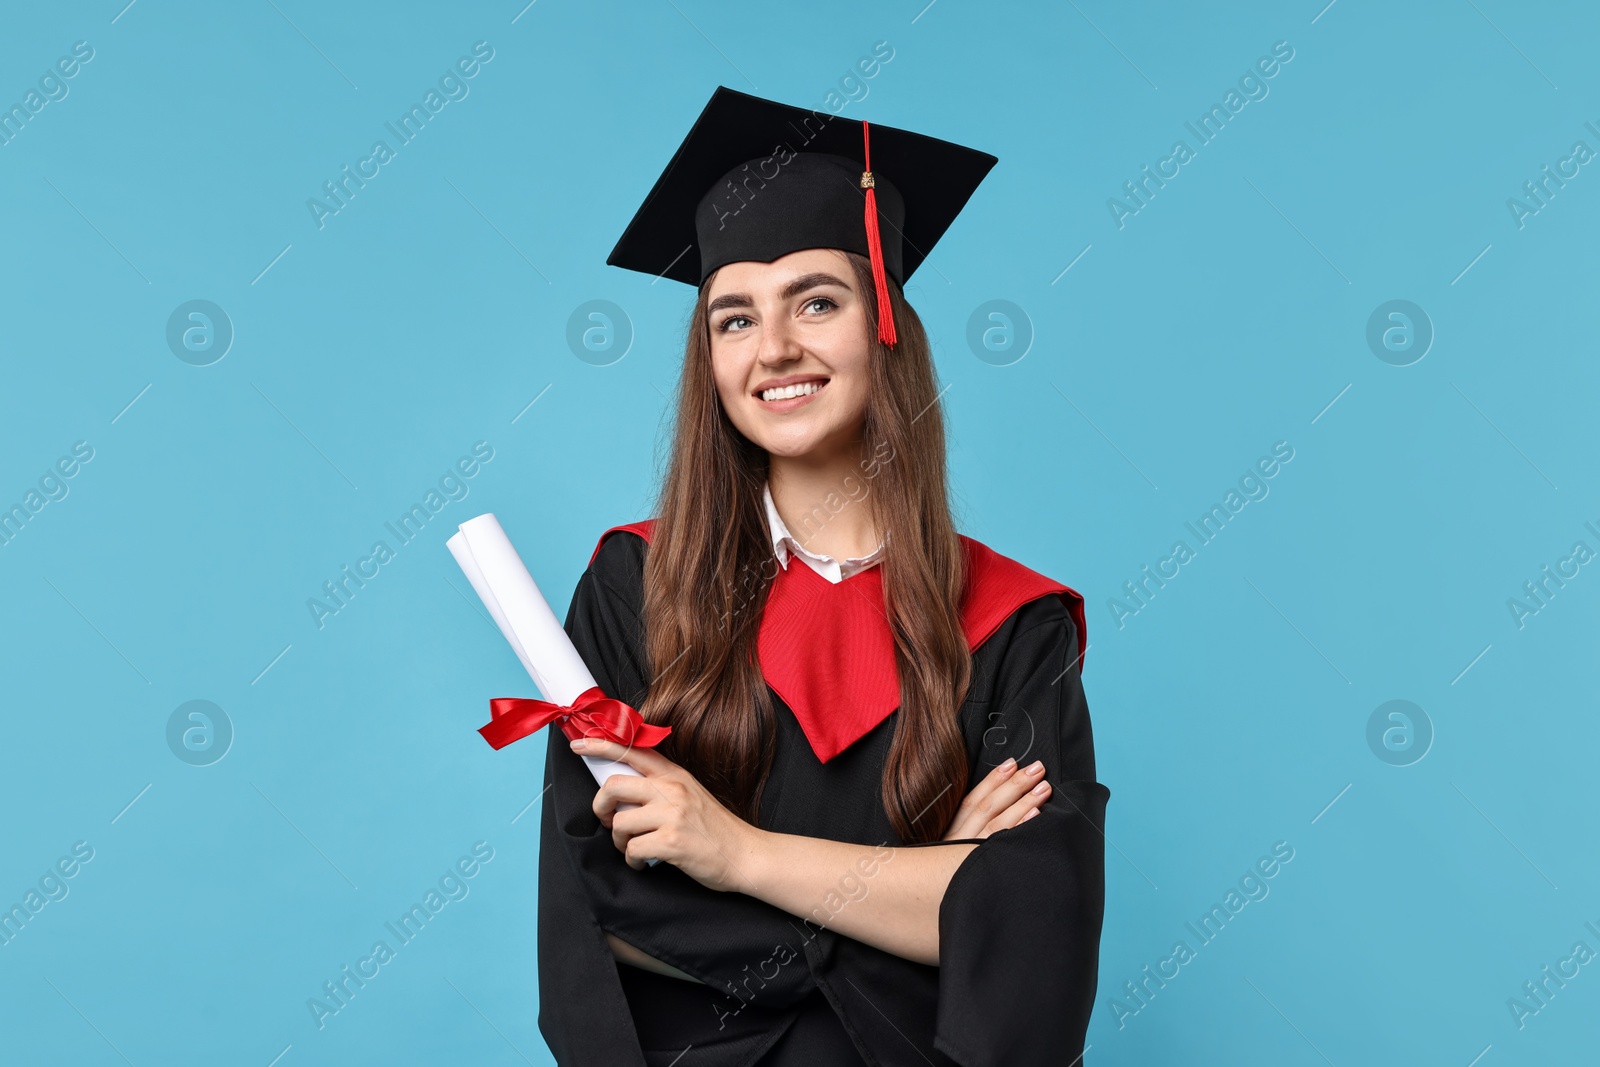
(821, 300)
(727, 323)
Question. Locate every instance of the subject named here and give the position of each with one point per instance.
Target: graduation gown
(1019, 925)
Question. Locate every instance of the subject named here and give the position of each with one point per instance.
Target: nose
(780, 342)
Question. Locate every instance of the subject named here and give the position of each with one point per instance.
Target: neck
(824, 502)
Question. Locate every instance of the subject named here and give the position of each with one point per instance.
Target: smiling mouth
(790, 392)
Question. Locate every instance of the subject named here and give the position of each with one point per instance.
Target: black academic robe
(1019, 925)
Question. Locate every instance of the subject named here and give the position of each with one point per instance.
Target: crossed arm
(885, 897)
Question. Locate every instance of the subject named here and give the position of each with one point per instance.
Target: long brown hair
(711, 564)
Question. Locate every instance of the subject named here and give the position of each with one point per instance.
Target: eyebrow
(794, 288)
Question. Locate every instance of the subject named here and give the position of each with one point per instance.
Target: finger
(1006, 791)
(1017, 785)
(618, 790)
(636, 850)
(646, 761)
(1023, 809)
(993, 794)
(991, 781)
(629, 824)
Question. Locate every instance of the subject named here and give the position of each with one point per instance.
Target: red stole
(827, 648)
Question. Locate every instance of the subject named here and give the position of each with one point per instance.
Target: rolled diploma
(503, 583)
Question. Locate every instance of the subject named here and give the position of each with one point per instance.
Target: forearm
(885, 897)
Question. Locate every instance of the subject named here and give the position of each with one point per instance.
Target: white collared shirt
(784, 544)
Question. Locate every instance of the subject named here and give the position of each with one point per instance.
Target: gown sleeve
(736, 944)
(1019, 924)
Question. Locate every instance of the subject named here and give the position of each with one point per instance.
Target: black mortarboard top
(756, 180)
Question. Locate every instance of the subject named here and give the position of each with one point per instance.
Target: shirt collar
(784, 544)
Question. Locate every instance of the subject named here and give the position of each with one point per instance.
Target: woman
(851, 870)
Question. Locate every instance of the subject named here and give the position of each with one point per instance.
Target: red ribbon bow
(592, 714)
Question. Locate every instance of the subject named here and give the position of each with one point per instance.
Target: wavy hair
(710, 567)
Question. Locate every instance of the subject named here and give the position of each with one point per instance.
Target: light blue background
(1227, 315)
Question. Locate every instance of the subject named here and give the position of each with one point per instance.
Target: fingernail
(1030, 814)
(1009, 764)
(1042, 786)
(1036, 766)
(578, 744)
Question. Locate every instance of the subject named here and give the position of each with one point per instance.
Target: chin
(794, 445)
(786, 449)
(782, 446)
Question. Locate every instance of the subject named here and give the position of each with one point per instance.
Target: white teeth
(790, 391)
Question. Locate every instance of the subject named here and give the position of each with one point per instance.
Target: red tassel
(880, 278)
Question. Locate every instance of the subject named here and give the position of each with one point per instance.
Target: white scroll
(497, 574)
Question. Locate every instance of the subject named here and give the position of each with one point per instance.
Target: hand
(677, 819)
(1003, 799)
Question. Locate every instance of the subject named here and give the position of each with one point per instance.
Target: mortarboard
(756, 180)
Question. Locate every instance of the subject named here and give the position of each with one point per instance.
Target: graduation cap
(756, 180)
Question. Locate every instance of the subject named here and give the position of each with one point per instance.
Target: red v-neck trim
(827, 648)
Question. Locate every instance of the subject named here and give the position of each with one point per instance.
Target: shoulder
(618, 556)
(640, 530)
(1005, 598)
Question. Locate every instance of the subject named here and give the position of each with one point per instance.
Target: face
(797, 321)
